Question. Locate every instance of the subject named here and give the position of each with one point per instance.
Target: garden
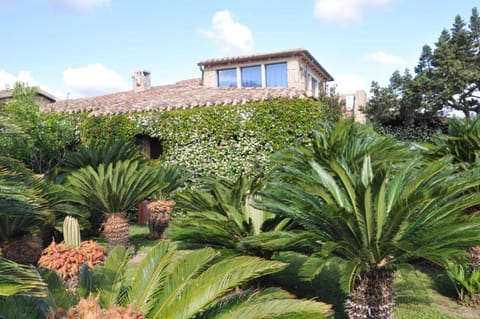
(334, 220)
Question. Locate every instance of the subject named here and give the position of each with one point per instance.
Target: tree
(220, 214)
(40, 140)
(194, 284)
(112, 189)
(446, 77)
(372, 213)
(23, 211)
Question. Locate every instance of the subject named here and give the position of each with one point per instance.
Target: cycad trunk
(23, 250)
(115, 229)
(372, 297)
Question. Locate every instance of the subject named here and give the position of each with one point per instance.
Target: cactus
(71, 231)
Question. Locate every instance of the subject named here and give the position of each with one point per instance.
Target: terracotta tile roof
(182, 95)
(7, 94)
(304, 54)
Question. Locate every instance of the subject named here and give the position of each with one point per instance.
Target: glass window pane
(276, 74)
(251, 76)
(227, 78)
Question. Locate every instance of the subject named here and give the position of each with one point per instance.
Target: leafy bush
(101, 129)
(38, 139)
(411, 132)
(232, 140)
(466, 281)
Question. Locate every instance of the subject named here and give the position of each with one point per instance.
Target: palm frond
(213, 283)
(19, 279)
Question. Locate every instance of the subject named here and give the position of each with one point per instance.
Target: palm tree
(193, 284)
(23, 210)
(112, 189)
(22, 291)
(219, 214)
(374, 218)
(16, 279)
(96, 153)
(347, 140)
(462, 142)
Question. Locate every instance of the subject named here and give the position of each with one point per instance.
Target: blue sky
(75, 48)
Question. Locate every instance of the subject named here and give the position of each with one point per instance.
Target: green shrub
(40, 140)
(231, 140)
(466, 282)
(104, 128)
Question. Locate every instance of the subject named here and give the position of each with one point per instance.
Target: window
(276, 74)
(251, 76)
(227, 78)
(314, 87)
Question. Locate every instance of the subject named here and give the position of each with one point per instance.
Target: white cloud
(386, 59)
(93, 79)
(232, 36)
(344, 10)
(80, 5)
(349, 83)
(7, 80)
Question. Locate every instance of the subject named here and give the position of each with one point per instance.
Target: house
(43, 97)
(224, 81)
(353, 104)
(290, 74)
(295, 68)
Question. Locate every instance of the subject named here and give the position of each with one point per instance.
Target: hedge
(224, 140)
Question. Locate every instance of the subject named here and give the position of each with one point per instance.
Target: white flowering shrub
(226, 140)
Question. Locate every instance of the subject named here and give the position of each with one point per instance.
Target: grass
(422, 292)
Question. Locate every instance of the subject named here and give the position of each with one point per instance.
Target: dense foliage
(38, 139)
(446, 78)
(365, 206)
(223, 140)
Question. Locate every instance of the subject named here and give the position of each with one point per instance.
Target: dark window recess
(156, 148)
(151, 146)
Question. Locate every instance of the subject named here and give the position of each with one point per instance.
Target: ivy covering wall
(224, 140)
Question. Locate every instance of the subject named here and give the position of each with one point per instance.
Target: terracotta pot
(159, 213)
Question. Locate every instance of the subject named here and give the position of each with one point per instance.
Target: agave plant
(193, 284)
(112, 189)
(219, 214)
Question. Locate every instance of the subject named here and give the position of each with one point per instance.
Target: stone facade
(352, 105)
(303, 71)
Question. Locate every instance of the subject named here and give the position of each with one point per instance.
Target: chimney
(141, 80)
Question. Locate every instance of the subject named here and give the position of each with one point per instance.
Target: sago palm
(112, 189)
(193, 284)
(23, 211)
(98, 152)
(347, 140)
(373, 219)
(219, 214)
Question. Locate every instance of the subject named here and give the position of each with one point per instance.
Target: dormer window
(276, 74)
(251, 76)
(295, 68)
(227, 78)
